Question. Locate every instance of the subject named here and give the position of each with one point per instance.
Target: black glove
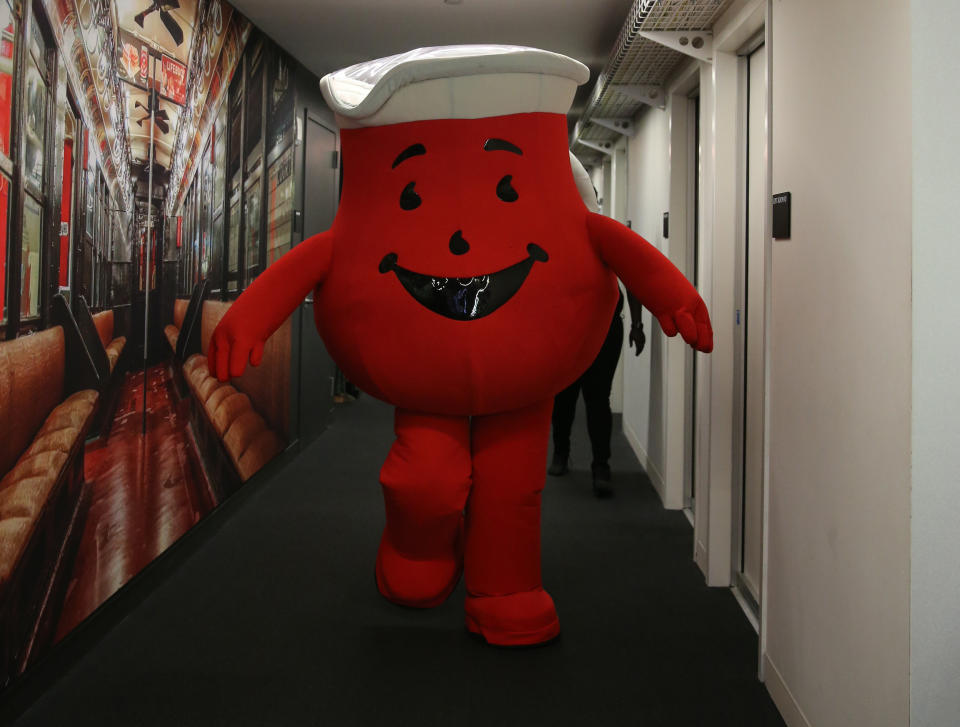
(636, 336)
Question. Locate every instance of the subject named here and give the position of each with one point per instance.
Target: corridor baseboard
(782, 697)
(648, 466)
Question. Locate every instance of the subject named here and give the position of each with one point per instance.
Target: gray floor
(274, 619)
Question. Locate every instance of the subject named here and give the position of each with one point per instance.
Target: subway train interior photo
(280, 408)
(128, 232)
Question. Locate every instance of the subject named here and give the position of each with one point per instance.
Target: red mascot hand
(654, 280)
(229, 351)
(270, 299)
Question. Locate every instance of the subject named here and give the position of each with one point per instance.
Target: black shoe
(601, 480)
(558, 467)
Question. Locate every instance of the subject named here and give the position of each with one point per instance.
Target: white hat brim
(467, 81)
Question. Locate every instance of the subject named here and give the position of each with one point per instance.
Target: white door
(693, 273)
(751, 551)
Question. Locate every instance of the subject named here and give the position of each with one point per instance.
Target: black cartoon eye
(409, 200)
(505, 190)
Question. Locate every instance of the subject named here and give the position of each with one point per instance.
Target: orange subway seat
(26, 497)
(241, 433)
(265, 447)
(114, 350)
(71, 413)
(14, 533)
(60, 440)
(230, 408)
(217, 397)
(173, 335)
(32, 465)
(193, 362)
(206, 387)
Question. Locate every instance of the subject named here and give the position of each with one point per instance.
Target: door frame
(692, 219)
(744, 329)
(679, 248)
(717, 488)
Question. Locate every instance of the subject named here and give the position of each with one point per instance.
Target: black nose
(458, 246)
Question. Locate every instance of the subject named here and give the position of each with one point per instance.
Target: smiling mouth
(465, 299)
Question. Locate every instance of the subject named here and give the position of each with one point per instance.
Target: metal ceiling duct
(638, 61)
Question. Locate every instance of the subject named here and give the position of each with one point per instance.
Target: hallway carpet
(275, 620)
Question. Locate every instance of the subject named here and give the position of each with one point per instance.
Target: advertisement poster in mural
(173, 80)
(114, 439)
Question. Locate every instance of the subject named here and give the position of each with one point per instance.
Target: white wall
(935, 498)
(644, 388)
(839, 519)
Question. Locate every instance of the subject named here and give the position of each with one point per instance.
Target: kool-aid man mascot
(464, 282)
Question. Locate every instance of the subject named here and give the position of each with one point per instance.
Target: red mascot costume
(464, 282)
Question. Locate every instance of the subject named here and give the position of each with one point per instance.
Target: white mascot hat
(453, 82)
(457, 82)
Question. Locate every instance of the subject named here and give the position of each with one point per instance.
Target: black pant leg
(564, 409)
(597, 382)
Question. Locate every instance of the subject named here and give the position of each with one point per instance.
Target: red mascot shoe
(465, 281)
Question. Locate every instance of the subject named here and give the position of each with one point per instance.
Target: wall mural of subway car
(154, 159)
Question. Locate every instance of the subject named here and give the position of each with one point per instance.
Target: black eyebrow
(501, 145)
(411, 151)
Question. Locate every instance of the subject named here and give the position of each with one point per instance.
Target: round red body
(430, 209)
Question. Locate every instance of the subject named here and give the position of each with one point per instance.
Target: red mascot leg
(426, 480)
(506, 603)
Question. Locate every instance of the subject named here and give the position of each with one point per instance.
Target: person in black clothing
(595, 384)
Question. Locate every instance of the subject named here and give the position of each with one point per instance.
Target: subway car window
(30, 260)
(83, 266)
(90, 189)
(280, 100)
(233, 239)
(280, 201)
(205, 212)
(8, 39)
(234, 179)
(218, 189)
(4, 223)
(188, 241)
(97, 240)
(37, 90)
(195, 217)
(34, 164)
(253, 165)
(252, 227)
(280, 147)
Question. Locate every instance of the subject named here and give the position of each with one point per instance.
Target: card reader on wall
(781, 216)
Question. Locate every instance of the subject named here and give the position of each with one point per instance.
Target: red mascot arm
(267, 303)
(654, 280)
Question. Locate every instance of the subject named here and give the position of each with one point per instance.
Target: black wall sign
(781, 216)
(666, 225)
